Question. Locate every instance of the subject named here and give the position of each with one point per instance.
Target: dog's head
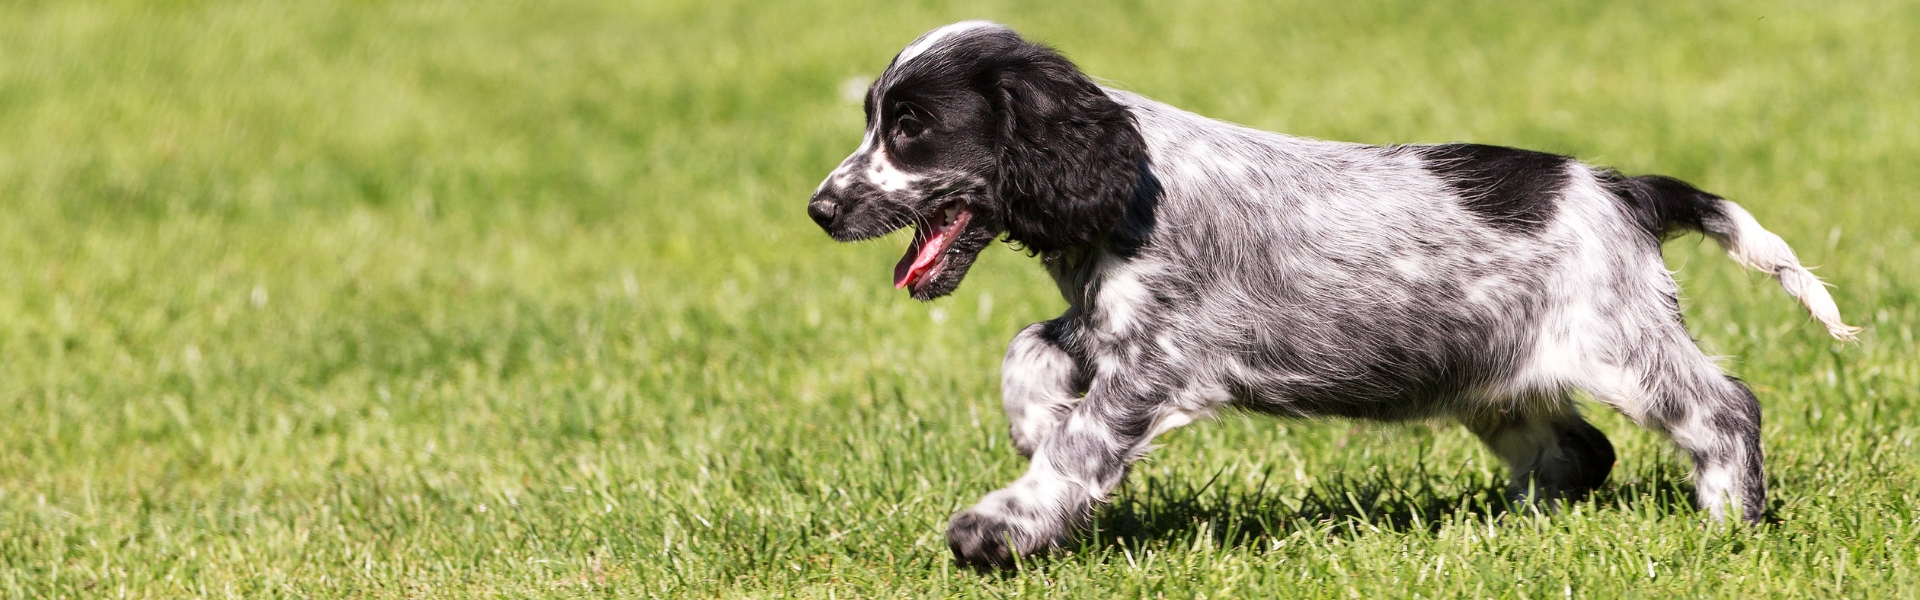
(973, 132)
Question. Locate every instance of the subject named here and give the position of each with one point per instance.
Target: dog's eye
(908, 126)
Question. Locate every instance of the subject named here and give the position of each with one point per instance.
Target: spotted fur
(1207, 265)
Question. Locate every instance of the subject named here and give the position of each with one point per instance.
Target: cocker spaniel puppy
(1207, 265)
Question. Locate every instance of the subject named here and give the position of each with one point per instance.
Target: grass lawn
(427, 299)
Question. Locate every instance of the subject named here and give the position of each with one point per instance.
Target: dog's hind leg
(1713, 417)
(1716, 419)
(1039, 383)
(1553, 453)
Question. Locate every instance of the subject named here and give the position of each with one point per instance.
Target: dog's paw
(983, 542)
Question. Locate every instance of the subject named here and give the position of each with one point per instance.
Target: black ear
(1070, 157)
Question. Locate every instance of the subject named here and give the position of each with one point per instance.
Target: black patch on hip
(1511, 189)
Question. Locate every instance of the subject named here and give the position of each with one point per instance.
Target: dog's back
(1344, 279)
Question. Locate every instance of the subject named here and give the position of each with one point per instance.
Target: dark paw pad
(980, 542)
(1592, 458)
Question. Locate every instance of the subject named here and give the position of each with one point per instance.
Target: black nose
(822, 210)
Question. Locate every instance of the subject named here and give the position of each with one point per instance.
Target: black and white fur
(1209, 265)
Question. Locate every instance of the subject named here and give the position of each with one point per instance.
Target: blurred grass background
(428, 299)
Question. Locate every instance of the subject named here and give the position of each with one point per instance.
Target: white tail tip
(1756, 248)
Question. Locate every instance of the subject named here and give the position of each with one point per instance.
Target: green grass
(427, 299)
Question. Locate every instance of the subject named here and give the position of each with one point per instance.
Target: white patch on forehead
(871, 160)
(932, 38)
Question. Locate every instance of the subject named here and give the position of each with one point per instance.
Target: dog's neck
(1073, 271)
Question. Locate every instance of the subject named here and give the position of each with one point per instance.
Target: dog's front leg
(1039, 383)
(1073, 468)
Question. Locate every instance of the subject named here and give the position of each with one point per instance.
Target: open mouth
(927, 256)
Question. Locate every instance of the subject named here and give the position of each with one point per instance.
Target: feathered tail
(1664, 204)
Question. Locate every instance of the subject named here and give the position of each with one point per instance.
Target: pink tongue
(918, 260)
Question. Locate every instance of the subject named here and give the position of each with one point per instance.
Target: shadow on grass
(1155, 511)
